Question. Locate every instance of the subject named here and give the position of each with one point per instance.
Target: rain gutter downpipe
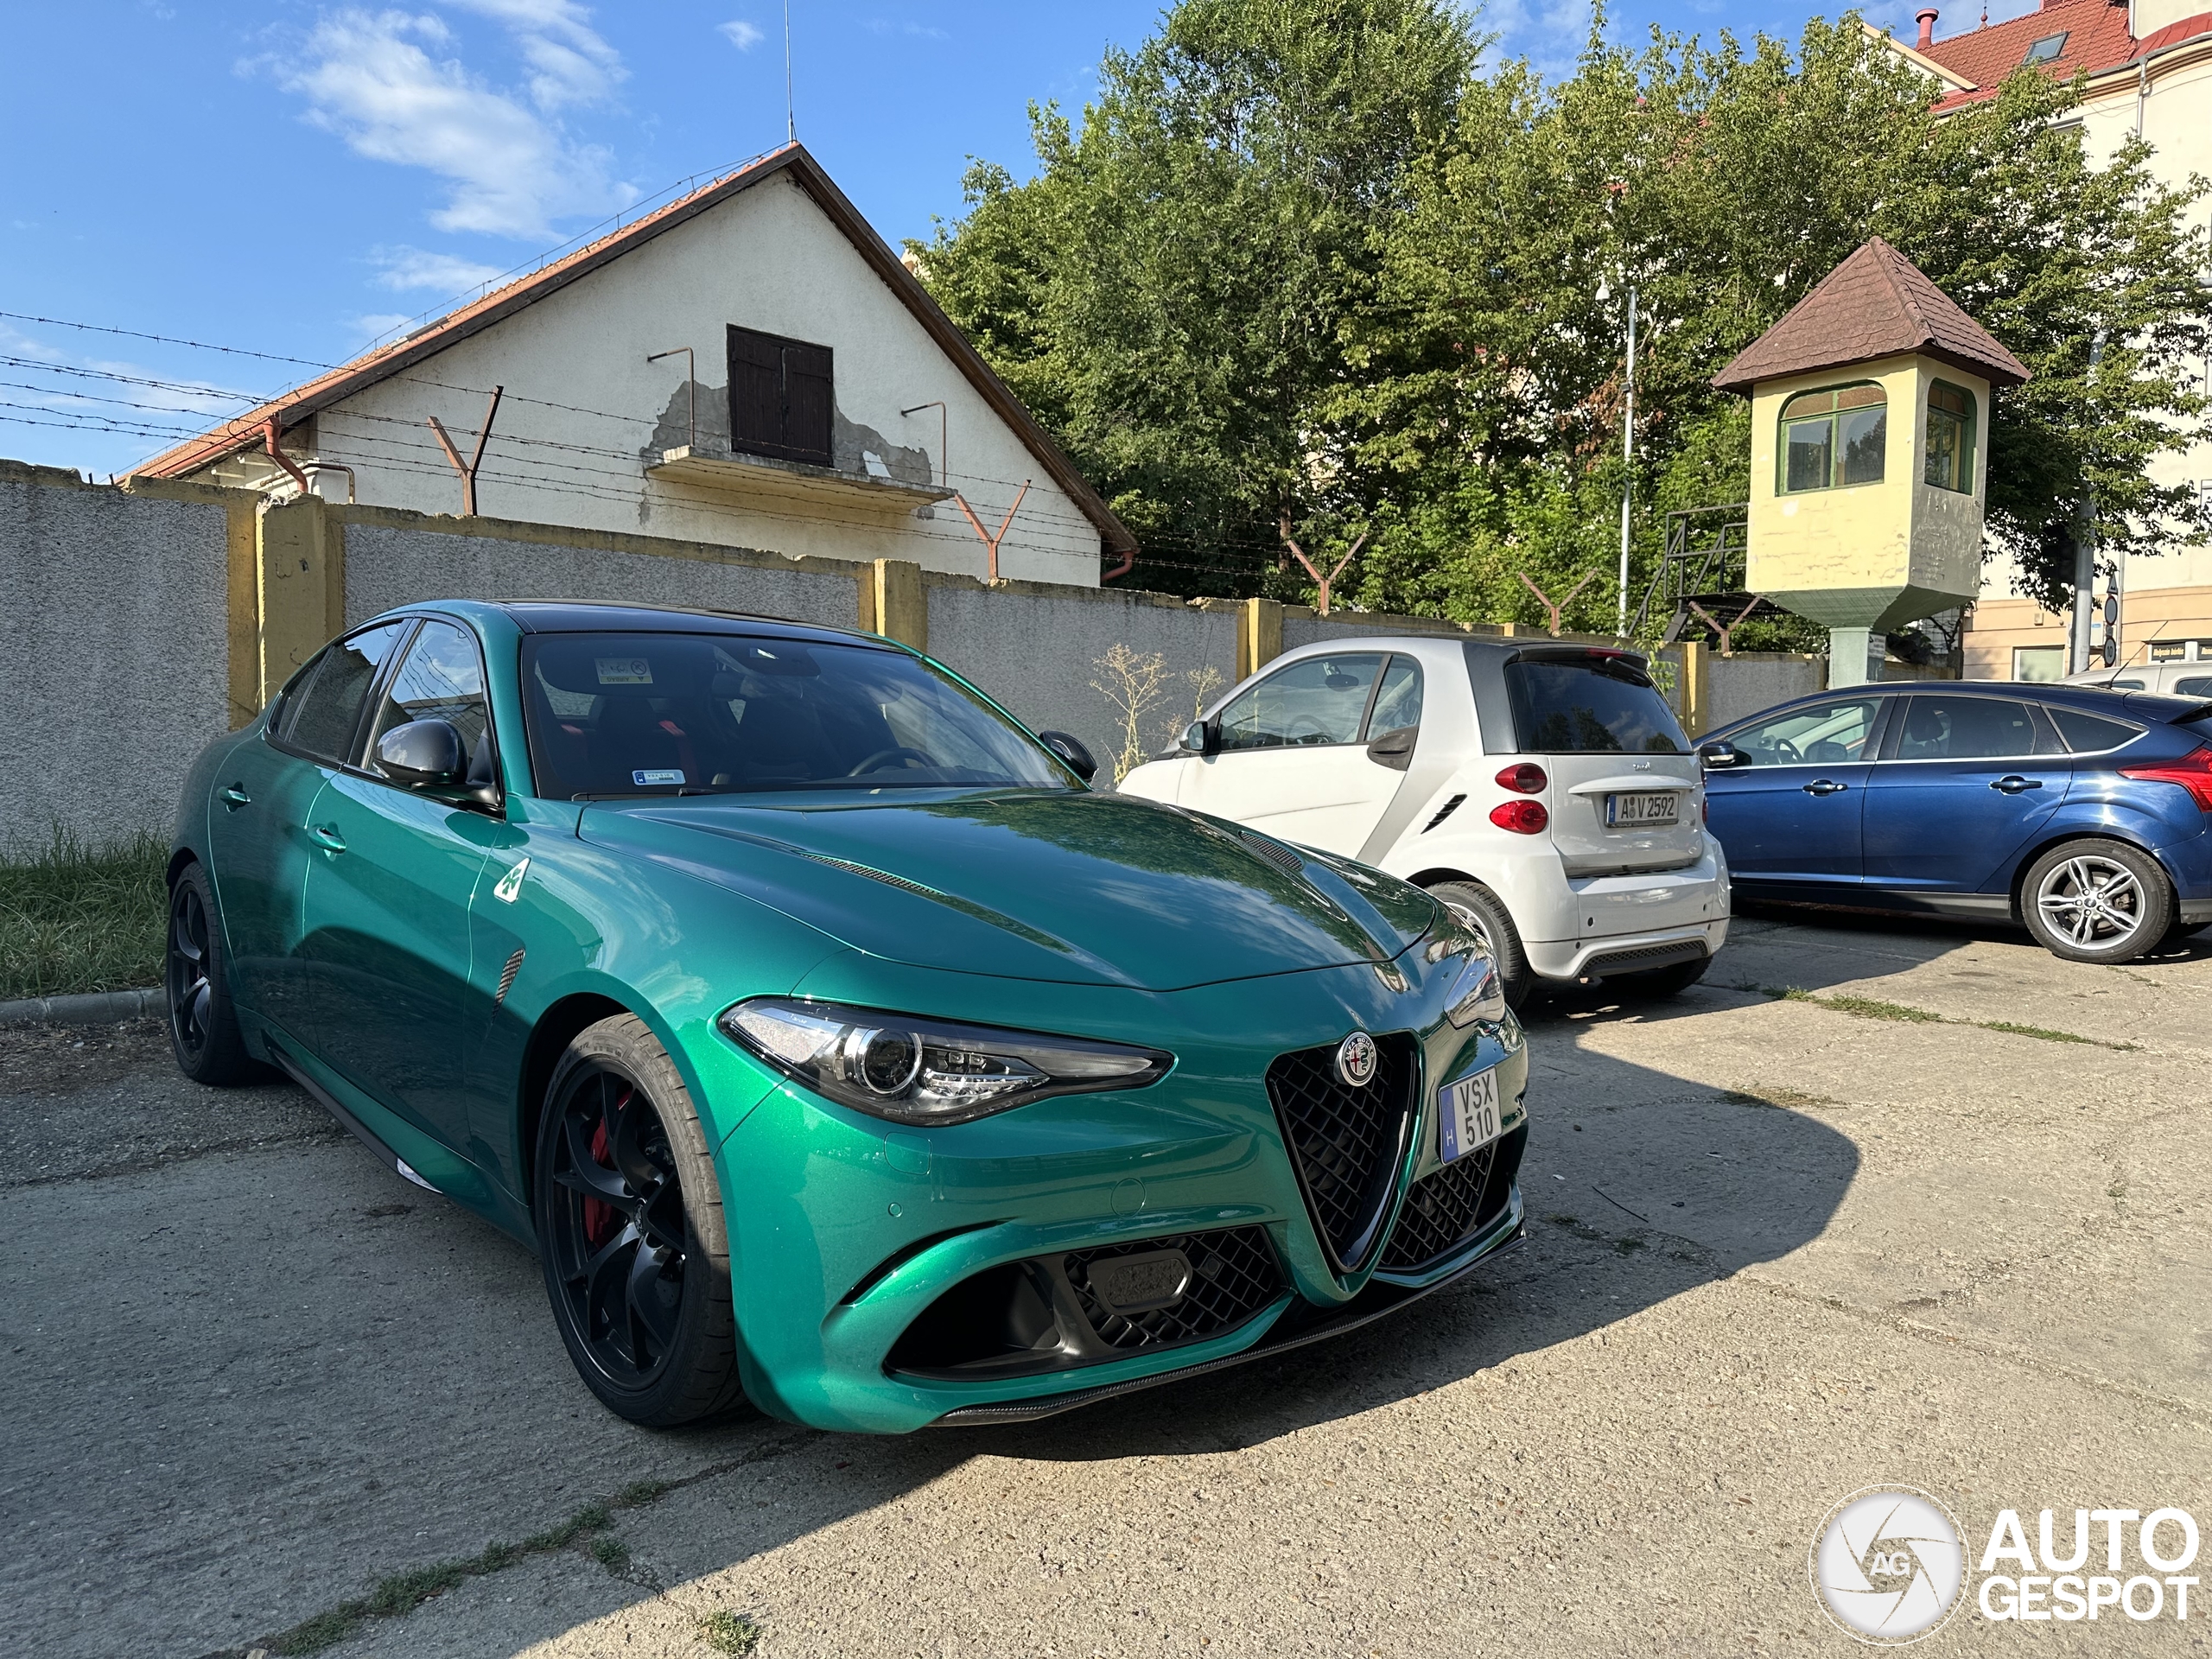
(270, 435)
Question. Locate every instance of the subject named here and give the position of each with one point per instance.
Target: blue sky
(298, 178)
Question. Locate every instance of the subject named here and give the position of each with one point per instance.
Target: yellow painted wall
(1897, 534)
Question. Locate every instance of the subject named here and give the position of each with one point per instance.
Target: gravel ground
(1781, 1248)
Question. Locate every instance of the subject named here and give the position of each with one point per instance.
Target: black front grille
(1446, 1209)
(1233, 1276)
(1346, 1143)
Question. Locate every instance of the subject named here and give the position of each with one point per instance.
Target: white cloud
(371, 79)
(741, 35)
(406, 268)
(918, 31)
(572, 64)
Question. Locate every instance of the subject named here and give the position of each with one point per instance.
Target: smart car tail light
(920, 1070)
(1525, 779)
(2193, 772)
(1522, 818)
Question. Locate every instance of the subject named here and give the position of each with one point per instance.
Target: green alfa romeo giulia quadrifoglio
(834, 1045)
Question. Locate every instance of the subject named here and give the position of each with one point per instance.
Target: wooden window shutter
(808, 400)
(782, 398)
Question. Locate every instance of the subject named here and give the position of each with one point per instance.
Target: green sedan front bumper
(847, 1232)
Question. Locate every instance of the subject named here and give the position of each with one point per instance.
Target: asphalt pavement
(1780, 1247)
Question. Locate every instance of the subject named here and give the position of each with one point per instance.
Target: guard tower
(1870, 457)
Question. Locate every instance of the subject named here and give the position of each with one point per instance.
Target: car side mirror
(1071, 749)
(1719, 757)
(1200, 737)
(424, 755)
(1394, 749)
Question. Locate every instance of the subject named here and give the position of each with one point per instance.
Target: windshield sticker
(667, 775)
(624, 671)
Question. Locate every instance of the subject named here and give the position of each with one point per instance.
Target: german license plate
(1469, 1120)
(1634, 812)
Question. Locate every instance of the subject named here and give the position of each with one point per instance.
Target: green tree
(1168, 292)
(1303, 257)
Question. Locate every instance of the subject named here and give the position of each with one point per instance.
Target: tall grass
(77, 917)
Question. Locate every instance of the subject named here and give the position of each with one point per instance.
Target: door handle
(1825, 786)
(235, 797)
(2015, 783)
(327, 836)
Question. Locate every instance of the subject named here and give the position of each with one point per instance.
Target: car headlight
(1476, 993)
(917, 1071)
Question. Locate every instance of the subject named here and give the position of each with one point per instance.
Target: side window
(1320, 700)
(2091, 733)
(1965, 728)
(321, 716)
(442, 678)
(1833, 437)
(2199, 687)
(1827, 733)
(1397, 705)
(1950, 438)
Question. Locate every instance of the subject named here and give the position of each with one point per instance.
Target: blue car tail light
(2193, 772)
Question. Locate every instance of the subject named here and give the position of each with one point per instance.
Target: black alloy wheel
(631, 1233)
(203, 1028)
(617, 1234)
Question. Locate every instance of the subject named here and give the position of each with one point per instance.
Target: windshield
(1599, 704)
(613, 715)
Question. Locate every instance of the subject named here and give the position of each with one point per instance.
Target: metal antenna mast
(790, 117)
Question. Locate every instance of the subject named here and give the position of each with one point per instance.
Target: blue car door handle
(327, 836)
(1825, 786)
(235, 797)
(2014, 784)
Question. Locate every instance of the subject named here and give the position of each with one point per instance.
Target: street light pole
(2085, 552)
(1628, 458)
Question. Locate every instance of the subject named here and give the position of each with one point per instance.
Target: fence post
(1697, 687)
(894, 603)
(1259, 635)
(300, 587)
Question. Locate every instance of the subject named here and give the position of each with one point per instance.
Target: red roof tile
(2096, 42)
(1877, 303)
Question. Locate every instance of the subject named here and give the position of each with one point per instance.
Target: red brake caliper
(599, 1217)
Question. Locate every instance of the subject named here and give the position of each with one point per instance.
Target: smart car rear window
(612, 714)
(1589, 705)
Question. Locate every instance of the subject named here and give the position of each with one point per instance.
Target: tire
(631, 1231)
(1479, 909)
(203, 1022)
(1670, 981)
(2130, 901)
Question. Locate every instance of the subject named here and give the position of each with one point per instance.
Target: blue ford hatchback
(2082, 813)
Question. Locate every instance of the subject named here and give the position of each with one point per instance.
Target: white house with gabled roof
(749, 364)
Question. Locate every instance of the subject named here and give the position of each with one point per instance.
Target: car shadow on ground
(1639, 1186)
(1775, 947)
(416, 1404)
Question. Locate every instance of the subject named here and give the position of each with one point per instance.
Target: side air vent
(1347, 1141)
(1443, 813)
(1444, 1211)
(507, 977)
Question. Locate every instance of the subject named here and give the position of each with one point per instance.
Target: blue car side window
(1827, 733)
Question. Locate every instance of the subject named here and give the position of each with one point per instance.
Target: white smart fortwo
(1543, 789)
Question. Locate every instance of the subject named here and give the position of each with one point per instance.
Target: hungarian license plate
(1469, 1120)
(1634, 812)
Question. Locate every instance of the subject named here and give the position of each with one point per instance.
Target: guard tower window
(780, 396)
(1835, 436)
(1950, 438)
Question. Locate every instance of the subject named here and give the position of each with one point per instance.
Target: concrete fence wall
(142, 621)
(115, 666)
